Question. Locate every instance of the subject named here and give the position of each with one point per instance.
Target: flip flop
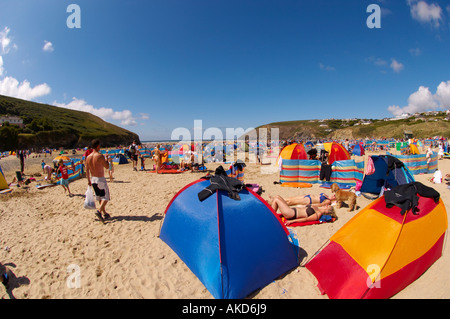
(99, 216)
(5, 280)
(107, 216)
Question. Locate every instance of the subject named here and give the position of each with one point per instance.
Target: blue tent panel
(233, 247)
(192, 234)
(254, 246)
(372, 183)
(358, 150)
(120, 159)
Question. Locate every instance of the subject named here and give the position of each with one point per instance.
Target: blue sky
(153, 66)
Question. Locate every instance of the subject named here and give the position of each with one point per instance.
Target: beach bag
(89, 202)
(370, 168)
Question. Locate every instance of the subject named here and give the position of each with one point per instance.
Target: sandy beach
(45, 232)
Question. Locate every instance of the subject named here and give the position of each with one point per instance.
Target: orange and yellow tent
(380, 252)
(337, 152)
(414, 150)
(294, 152)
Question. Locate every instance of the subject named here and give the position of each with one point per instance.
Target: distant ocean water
(168, 141)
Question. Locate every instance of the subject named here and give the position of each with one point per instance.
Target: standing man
(95, 173)
(22, 160)
(134, 155)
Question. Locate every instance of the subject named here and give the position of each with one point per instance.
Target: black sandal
(99, 216)
(107, 216)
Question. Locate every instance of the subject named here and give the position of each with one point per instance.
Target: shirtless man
(95, 173)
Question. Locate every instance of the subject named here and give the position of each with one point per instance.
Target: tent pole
(315, 254)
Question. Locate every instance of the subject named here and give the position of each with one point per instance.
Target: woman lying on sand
(318, 200)
(308, 213)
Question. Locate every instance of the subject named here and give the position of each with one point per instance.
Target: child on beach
(42, 166)
(142, 163)
(64, 176)
(111, 168)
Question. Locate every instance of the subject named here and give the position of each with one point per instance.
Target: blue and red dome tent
(358, 150)
(234, 247)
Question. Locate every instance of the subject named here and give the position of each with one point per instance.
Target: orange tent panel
(379, 252)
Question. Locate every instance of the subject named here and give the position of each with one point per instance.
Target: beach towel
(298, 185)
(323, 219)
(341, 186)
(38, 186)
(168, 171)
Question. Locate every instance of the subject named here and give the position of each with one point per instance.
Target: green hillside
(420, 125)
(51, 126)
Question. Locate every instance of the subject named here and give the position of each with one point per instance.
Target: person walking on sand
(64, 176)
(110, 168)
(428, 157)
(95, 173)
(134, 155)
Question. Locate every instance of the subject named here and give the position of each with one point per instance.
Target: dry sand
(43, 232)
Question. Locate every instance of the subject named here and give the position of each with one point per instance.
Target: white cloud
(423, 100)
(1, 66)
(426, 13)
(125, 117)
(11, 87)
(4, 40)
(397, 66)
(376, 61)
(415, 51)
(144, 116)
(443, 94)
(326, 67)
(48, 46)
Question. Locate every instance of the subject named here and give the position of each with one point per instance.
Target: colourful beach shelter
(294, 152)
(234, 247)
(414, 150)
(358, 150)
(385, 176)
(380, 252)
(4, 188)
(337, 152)
(119, 159)
(65, 159)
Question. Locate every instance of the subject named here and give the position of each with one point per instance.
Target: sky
(156, 65)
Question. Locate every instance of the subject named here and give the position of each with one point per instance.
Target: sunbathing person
(157, 157)
(318, 200)
(309, 213)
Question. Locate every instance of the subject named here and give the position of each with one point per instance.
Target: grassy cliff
(51, 126)
(421, 126)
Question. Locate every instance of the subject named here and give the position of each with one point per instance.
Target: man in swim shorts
(95, 173)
